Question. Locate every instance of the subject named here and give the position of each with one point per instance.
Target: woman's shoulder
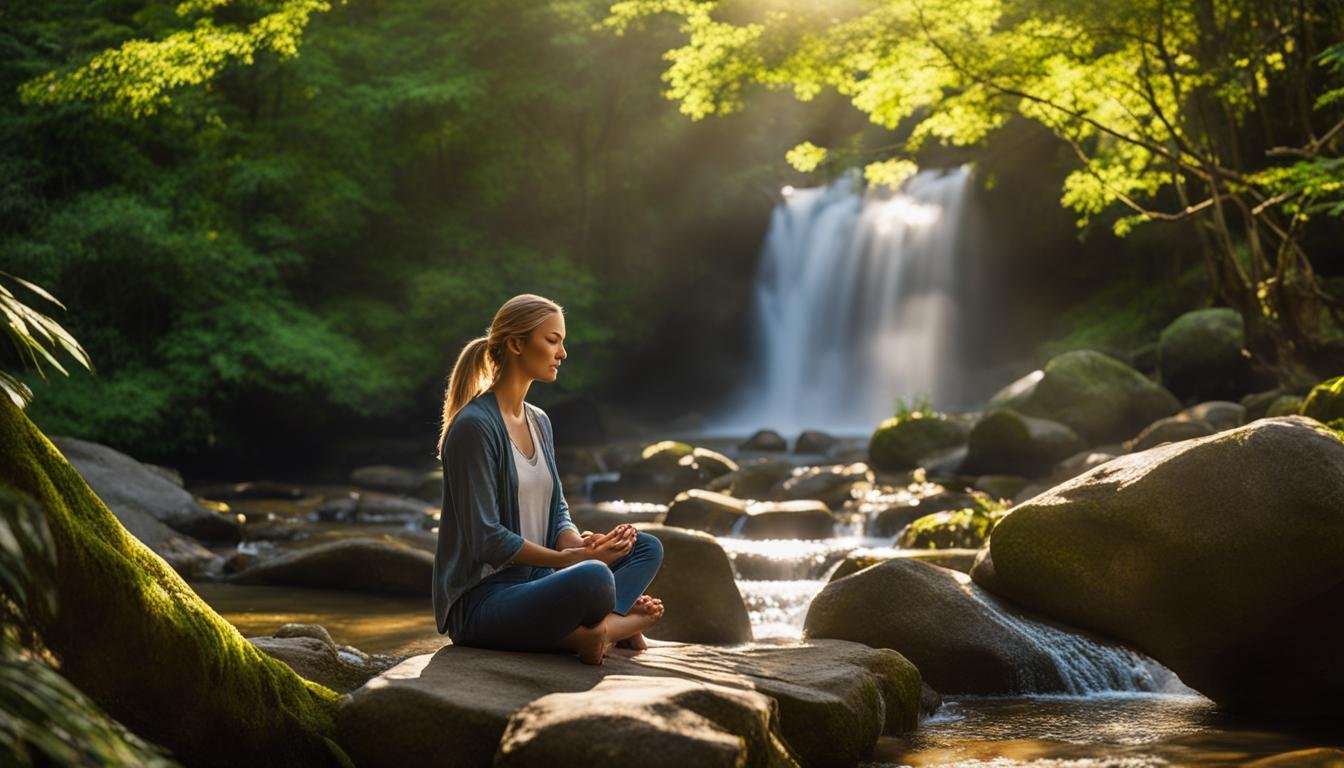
(472, 418)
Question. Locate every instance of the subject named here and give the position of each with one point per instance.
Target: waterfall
(856, 300)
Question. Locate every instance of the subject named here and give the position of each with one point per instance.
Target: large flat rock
(453, 707)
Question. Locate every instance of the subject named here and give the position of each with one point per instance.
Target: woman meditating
(510, 570)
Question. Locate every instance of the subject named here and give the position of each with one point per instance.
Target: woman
(510, 570)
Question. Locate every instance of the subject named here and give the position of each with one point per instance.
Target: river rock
(1218, 556)
(376, 507)
(905, 442)
(355, 564)
(956, 529)
(1326, 401)
(756, 478)
(1007, 441)
(833, 485)
(251, 489)
(1201, 354)
(312, 657)
(798, 519)
(1172, 429)
(125, 485)
(423, 484)
(1097, 396)
(713, 513)
(696, 585)
(1220, 414)
(956, 559)
(812, 441)
(665, 469)
(606, 515)
(1001, 486)
(891, 520)
(472, 707)
(764, 440)
(962, 639)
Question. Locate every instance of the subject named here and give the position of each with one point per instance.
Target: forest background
(276, 221)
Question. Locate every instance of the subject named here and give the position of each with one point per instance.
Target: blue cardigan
(479, 522)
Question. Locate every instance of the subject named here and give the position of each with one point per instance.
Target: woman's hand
(607, 547)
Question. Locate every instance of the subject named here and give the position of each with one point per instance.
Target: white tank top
(534, 487)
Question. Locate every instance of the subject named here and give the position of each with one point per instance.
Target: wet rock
(1001, 486)
(1285, 405)
(126, 486)
(905, 442)
(1097, 396)
(251, 489)
(834, 699)
(890, 521)
(833, 485)
(1007, 441)
(1201, 354)
(338, 509)
(664, 470)
(764, 440)
(959, 560)
(713, 513)
(602, 517)
(812, 441)
(1169, 430)
(756, 479)
(1318, 757)
(799, 519)
(355, 564)
(696, 585)
(1218, 556)
(961, 638)
(381, 508)
(309, 650)
(422, 484)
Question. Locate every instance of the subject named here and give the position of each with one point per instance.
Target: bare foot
(590, 643)
(647, 605)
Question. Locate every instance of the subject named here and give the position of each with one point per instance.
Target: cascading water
(856, 301)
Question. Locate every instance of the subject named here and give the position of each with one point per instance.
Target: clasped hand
(607, 547)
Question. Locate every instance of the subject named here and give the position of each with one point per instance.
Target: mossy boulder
(1326, 401)
(902, 442)
(890, 520)
(1006, 441)
(1201, 354)
(959, 529)
(132, 634)
(1218, 556)
(1095, 395)
(699, 593)
(962, 639)
(833, 484)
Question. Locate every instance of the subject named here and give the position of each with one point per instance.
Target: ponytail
(473, 373)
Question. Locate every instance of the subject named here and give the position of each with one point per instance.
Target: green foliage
(31, 332)
(44, 720)
(1123, 316)
(914, 407)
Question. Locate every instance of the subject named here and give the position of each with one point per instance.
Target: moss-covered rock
(1218, 556)
(132, 634)
(954, 559)
(1095, 395)
(1007, 441)
(959, 529)
(901, 442)
(1201, 354)
(1326, 401)
(665, 469)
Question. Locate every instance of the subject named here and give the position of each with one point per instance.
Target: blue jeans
(522, 608)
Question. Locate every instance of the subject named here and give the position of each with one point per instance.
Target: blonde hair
(481, 361)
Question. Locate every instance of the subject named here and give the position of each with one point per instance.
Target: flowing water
(856, 300)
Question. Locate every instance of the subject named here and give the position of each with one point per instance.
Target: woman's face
(543, 350)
